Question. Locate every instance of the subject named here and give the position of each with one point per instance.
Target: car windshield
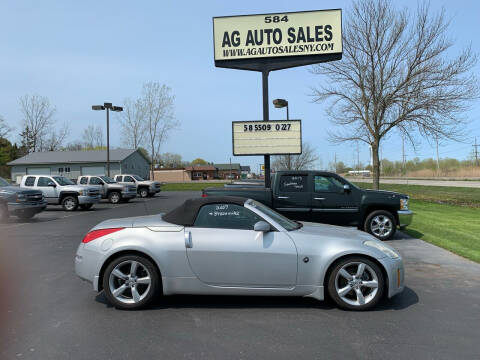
(138, 178)
(61, 180)
(4, 182)
(108, 180)
(287, 224)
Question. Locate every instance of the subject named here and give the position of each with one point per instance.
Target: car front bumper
(89, 199)
(396, 275)
(36, 207)
(404, 217)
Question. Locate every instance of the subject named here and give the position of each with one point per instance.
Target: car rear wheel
(381, 224)
(131, 282)
(143, 192)
(114, 197)
(356, 283)
(70, 203)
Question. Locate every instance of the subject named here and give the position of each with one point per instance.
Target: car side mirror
(346, 188)
(262, 226)
(52, 184)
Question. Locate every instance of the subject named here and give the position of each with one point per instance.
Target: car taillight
(95, 234)
(204, 195)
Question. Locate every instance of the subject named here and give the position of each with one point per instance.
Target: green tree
(199, 161)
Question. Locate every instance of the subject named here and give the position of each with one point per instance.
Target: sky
(81, 53)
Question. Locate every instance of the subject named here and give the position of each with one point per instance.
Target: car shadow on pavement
(402, 301)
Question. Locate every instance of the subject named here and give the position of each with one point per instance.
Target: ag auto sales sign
(278, 35)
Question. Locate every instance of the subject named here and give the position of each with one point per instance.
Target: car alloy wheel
(70, 203)
(381, 224)
(143, 193)
(114, 197)
(356, 284)
(131, 282)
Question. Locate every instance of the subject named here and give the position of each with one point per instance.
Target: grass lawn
(451, 227)
(189, 186)
(438, 194)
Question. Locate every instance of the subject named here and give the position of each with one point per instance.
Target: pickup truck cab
(59, 190)
(145, 188)
(326, 197)
(20, 202)
(109, 188)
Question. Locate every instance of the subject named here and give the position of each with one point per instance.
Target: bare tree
(54, 140)
(306, 160)
(395, 74)
(4, 128)
(133, 123)
(92, 137)
(37, 119)
(156, 104)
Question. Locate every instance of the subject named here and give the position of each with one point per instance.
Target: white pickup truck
(59, 190)
(109, 188)
(144, 187)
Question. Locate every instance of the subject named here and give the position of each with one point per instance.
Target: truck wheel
(381, 224)
(3, 213)
(70, 203)
(86, 206)
(114, 197)
(143, 192)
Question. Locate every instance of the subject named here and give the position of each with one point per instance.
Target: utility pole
(335, 162)
(438, 157)
(403, 153)
(475, 151)
(358, 157)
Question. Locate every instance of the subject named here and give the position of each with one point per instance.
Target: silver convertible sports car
(235, 246)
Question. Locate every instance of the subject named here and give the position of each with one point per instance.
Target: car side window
(128, 179)
(84, 180)
(118, 178)
(95, 181)
(44, 181)
(226, 216)
(293, 183)
(327, 184)
(30, 181)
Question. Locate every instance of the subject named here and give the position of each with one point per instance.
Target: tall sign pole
(268, 42)
(266, 158)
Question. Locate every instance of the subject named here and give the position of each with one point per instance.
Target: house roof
(87, 156)
(234, 166)
(201, 168)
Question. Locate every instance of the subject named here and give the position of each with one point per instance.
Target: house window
(197, 174)
(60, 170)
(67, 169)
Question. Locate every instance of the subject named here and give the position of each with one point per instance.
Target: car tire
(70, 203)
(4, 215)
(114, 197)
(86, 206)
(351, 284)
(26, 215)
(119, 290)
(381, 224)
(143, 192)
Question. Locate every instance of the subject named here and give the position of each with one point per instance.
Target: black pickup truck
(21, 202)
(325, 197)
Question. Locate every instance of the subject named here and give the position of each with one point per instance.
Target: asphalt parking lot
(49, 313)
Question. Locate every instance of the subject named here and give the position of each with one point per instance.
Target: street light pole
(108, 107)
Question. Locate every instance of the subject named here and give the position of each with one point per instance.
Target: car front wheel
(381, 224)
(114, 197)
(356, 283)
(69, 203)
(143, 192)
(131, 282)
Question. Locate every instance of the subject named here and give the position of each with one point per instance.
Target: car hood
(389, 194)
(332, 232)
(78, 187)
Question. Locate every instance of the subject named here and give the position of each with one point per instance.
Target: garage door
(38, 171)
(93, 170)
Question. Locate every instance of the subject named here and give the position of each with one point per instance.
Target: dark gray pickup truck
(325, 197)
(21, 202)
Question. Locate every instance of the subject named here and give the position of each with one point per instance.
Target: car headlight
(383, 248)
(20, 197)
(404, 204)
(83, 193)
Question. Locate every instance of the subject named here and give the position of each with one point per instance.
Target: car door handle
(319, 198)
(188, 239)
(283, 197)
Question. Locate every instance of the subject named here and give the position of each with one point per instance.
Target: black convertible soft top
(186, 213)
